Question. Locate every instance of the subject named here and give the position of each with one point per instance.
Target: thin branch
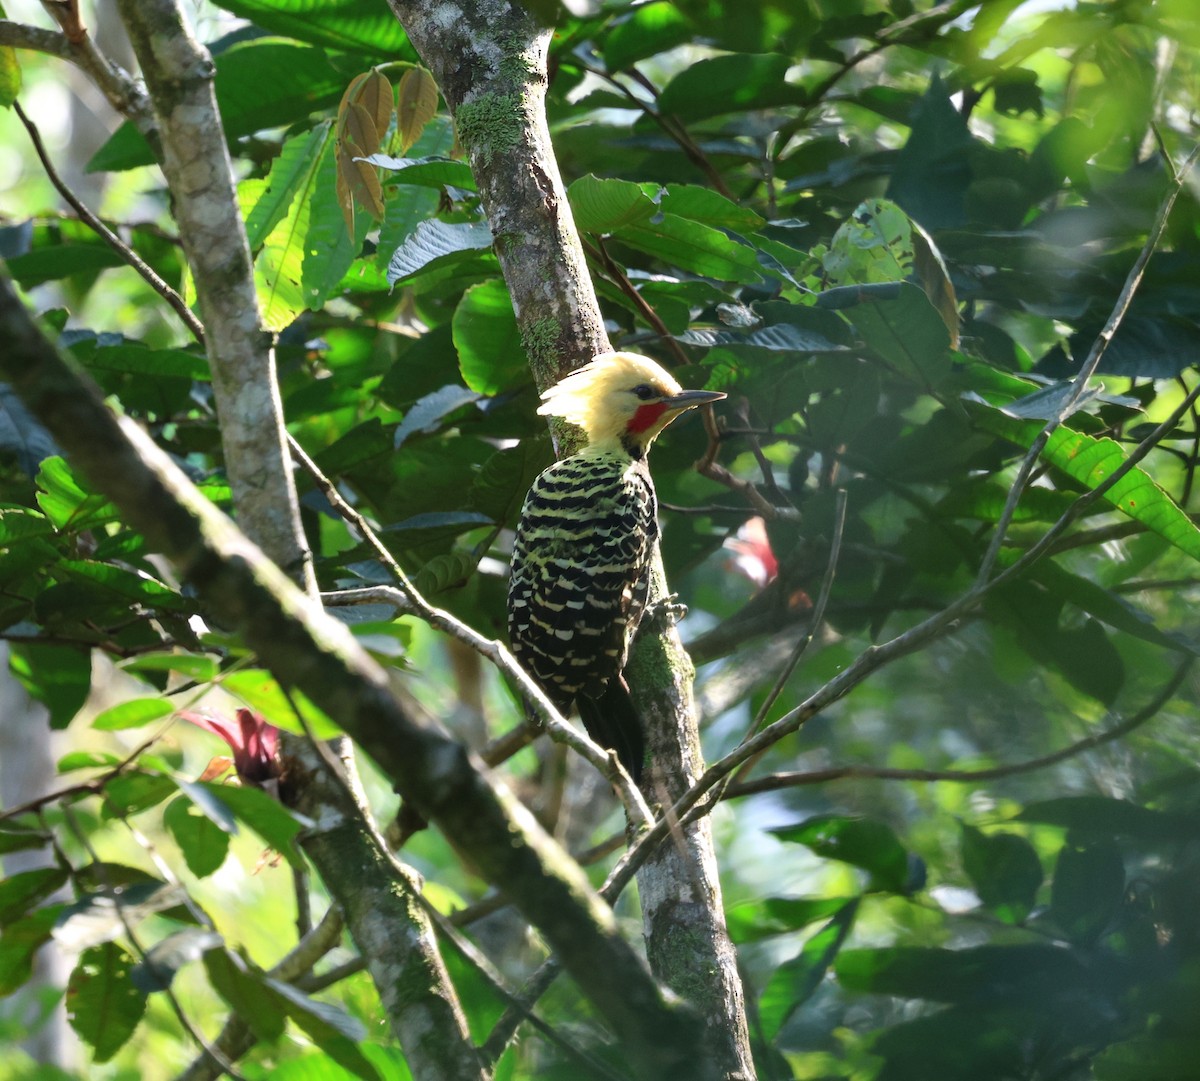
(794, 779)
(556, 727)
(176, 1007)
(818, 612)
(117, 85)
(236, 1037)
(670, 126)
(875, 657)
(1079, 385)
(107, 235)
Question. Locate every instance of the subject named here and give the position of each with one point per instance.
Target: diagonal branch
(309, 650)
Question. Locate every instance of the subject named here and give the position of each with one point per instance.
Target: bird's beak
(689, 399)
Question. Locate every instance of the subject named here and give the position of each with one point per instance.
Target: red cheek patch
(646, 417)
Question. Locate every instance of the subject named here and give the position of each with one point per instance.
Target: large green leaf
(350, 25)
(490, 354)
(1090, 461)
(694, 247)
(736, 82)
(644, 31)
(103, 1005)
(21, 892)
(1004, 869)
(57, 676)
(793, 982)
(863, 842)
(437, 244)
(908, 334)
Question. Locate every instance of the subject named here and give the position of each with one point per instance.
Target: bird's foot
(669, 609)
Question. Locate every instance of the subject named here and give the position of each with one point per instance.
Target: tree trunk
(489, 58)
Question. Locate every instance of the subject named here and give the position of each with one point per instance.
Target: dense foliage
(892, 233)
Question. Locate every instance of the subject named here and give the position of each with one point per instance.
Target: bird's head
(621, 399)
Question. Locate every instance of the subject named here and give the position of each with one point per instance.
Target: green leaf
(109, 913)
(15, 838)
(490, 354)
(74, 760)
(279, 267)
(694, 247)
(273, 822)
(135, 713)
(57, 676)
(195, 666)
(646, 30)
(604, 206)
(793, 982)
(61, 261)
(932, 171)
(1156, 1057)
(1004, 869)
(134, 792)
(336, 1032)
(431, 172)
(349, 25)
(167, 956)
(907, 333)
(437, 244)
(974, 974)
(1108, 607)
(1082, 653)
(503, 480)
(103, 1005)
(702, 204)
(10, 76)
(134, 358)
(754, 920)
(204, 843)
(863, 842)
(241, 986)
(736, 82)
(64, 500)
(290, 176)
(21, 524)
(1092, 815)
(329, 250)
(19, 941)
(874, 244)
(26, 890)
(1090, 461)
(259, 690)
(1088, 888)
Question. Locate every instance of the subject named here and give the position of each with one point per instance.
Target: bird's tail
(612, 721)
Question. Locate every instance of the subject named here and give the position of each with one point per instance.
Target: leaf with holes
(103, 1005)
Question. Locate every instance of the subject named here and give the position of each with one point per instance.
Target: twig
(176, 1007)
(671, 127)
(106, 234)
(556, 728)
(818, 612)
(117, 85)
(793, 779)
(236, 1037)
(1079, 385)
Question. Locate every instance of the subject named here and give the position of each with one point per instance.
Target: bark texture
(382, 912)
(489, 58)
(306, 648)
(195, 160)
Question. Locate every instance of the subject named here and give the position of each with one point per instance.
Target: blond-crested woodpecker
(583, 549)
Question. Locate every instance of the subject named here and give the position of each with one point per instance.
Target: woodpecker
(584, 543)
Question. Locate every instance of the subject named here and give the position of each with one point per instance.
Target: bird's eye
(644, 392)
